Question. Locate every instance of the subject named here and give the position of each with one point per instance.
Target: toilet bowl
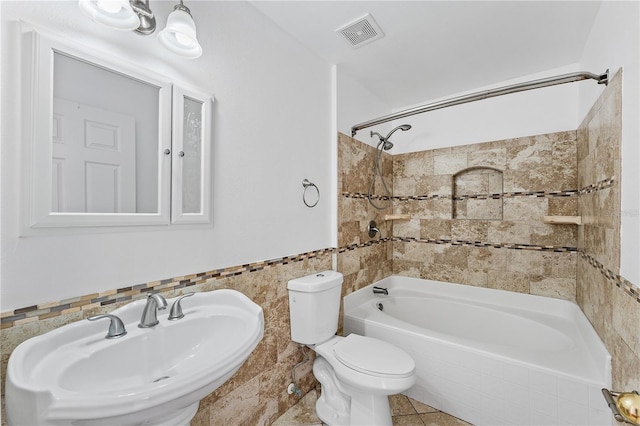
(357, 373)
(365, 372)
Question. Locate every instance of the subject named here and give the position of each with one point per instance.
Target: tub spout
(380, 290)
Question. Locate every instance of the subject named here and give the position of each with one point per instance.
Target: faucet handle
(116, 327)
(372, 230)
(176, 309)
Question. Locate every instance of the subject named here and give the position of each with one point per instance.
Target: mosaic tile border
(621, 282)
(369, 243)
(496, 196)
(52, 309)
(627, 286)
(603, 184)
(511, 246)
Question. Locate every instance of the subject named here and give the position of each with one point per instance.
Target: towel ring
(306, 184)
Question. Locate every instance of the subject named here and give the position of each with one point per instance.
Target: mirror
(107, 143)
(104, 141)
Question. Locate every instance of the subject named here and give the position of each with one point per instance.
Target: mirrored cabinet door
(191, 201)
(95, 136)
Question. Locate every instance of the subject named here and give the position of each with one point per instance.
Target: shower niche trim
(477, 194)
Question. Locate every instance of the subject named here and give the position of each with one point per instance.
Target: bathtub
(490, 357)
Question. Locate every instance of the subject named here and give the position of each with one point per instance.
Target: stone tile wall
(518, 253)
(256, 394)
(611, 303)
(362, 259)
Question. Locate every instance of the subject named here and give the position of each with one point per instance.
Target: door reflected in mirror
(104, 140)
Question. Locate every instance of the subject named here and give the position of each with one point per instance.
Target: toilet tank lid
(316, 282)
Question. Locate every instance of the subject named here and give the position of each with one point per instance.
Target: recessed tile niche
(477, 194)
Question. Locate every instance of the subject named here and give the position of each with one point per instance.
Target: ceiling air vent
(362, 31)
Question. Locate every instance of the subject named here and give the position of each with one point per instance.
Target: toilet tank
(314, 307)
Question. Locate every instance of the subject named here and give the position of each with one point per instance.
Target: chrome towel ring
(306, 184)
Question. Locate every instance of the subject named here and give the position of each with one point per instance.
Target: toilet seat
(373, 357)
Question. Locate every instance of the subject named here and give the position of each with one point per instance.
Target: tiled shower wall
(362, 259)
(611, 302)
(256, 394)
(518, 253)
(562, 174)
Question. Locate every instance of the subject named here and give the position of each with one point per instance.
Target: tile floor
(405, 412)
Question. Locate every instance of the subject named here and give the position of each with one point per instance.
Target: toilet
(357, 373)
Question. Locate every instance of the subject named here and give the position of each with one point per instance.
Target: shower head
(384, 141)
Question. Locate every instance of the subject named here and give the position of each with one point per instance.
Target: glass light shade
(179, 35)
(116, 14)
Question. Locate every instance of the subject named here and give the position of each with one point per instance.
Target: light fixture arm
(147, 20)
(182, 7)
(143, 10)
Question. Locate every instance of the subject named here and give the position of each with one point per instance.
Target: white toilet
(357, 373)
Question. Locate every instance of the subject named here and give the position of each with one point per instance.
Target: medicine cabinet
(107, 143)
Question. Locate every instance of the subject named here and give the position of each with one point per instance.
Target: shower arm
(485, 94)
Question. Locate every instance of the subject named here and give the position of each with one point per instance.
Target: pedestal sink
(150, 376)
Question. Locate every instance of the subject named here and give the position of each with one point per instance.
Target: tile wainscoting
(256, 394)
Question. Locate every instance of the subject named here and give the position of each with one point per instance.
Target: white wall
(272, 129)
(356, 104)
(547, 110)
(614, 43)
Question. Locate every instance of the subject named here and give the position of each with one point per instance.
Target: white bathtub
(487, 356)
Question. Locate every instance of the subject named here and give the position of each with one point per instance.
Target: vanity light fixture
(117, 14)
(179, 35)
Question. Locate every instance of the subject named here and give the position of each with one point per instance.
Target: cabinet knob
(181, 153)
(167, 151)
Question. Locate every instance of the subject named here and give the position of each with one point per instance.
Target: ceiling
(433, 49)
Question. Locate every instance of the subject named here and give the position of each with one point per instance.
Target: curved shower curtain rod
(485, 94)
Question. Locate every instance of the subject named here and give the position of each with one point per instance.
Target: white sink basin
(150, 376)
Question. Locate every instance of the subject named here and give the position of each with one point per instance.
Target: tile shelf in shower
(563, 220)
(397, 217)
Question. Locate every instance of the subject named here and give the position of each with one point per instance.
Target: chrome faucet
(380, 290)
(149, 318)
